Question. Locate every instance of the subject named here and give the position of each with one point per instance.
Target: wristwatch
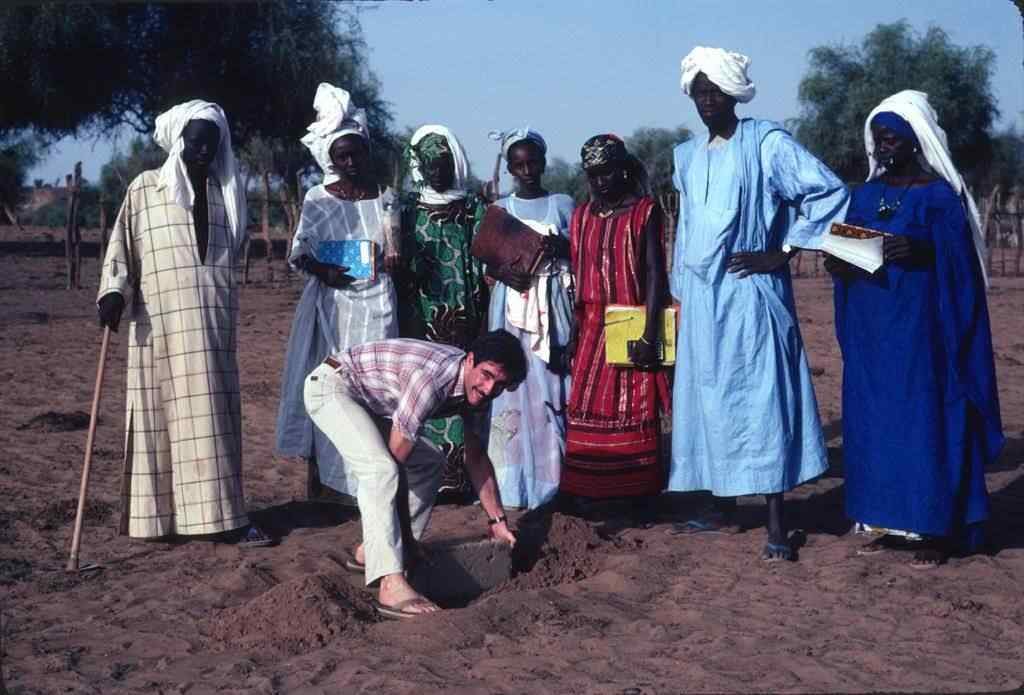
(494, 521)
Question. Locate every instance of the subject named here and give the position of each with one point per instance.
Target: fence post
(72, 237)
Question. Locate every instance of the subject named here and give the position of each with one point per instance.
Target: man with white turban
(744, 409)
(172, 254)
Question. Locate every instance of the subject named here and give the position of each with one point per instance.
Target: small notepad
(623, 325)
(358, 255)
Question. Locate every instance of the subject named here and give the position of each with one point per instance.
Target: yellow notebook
(624, 325)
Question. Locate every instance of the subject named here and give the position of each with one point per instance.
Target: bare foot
(397, 594)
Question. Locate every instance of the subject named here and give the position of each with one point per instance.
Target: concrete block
(459, 570)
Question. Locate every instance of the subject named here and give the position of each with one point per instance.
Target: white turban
(458, 189)
(913, 107)
(173, 174)
(335, 116)
(726, 69)
(508, 138)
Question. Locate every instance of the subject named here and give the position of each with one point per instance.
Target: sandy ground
(595, 608)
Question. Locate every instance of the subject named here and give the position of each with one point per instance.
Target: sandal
(777, 552)
(714, 525)
(353, 565)
(929, 558)
(400, 611)
(254, 537)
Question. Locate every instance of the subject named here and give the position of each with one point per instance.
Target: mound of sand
(296, 616)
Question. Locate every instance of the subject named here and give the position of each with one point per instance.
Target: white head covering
(336, 116)
(508, 138)
(458, 189)
(726, 69)
(913, 107)
(174, 176)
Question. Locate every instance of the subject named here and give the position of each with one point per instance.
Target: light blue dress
(527, 426)
(745, 418)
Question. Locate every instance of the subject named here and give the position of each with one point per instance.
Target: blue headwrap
(888, 119)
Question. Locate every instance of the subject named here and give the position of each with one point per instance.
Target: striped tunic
(614, 430)
(183, 445)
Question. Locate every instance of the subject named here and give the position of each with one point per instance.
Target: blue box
(358, 255)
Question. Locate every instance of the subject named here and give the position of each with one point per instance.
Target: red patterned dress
(614, 413)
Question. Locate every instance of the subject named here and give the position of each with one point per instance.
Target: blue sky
(573, 68)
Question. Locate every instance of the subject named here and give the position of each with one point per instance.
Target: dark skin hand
(328, 273)
(201, 140)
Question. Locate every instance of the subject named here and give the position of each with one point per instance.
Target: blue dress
(745, 418)
(920, 409)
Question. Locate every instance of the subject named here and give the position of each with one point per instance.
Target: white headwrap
(726, 69)
(458, 190)
(336, 116)
(508, 138)
(174, 176)
(913, 107)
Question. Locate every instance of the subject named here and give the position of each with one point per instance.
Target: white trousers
(365, 455)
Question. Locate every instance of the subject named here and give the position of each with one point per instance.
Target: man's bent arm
(399, 446)
(481, 473)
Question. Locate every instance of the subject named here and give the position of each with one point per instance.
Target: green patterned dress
(443, 299)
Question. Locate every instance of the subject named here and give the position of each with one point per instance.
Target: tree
(653, 146)
(17, 156)
(562, 177)
(844, 83)
(92, 68)
(143, 154)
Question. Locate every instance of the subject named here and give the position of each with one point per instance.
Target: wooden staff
(76, 538)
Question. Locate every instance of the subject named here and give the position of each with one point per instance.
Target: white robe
(329, 320)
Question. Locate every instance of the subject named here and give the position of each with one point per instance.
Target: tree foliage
(844, 83)
(18, 154)
(95, 68)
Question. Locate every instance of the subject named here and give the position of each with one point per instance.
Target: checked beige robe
(183, 445)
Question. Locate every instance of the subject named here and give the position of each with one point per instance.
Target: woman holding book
(442, 289)
(618, 257)
(527, 431)
(347, 215)
(920, 408)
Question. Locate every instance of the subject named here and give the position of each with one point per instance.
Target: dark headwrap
(895, 123)
(603, 149)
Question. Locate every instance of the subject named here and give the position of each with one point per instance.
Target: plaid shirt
(410, 381)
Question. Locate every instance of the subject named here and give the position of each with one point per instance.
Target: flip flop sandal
(695, 527)
(398, 611)
(777, 552)
(255, 538)
(928, 559)
(353, 565)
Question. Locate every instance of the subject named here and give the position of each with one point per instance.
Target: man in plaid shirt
(409, 381)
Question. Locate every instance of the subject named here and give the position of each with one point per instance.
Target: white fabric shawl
(913, 107)
(174, 176)
(507, 138)
(728, 70)
(458, 190)
(336, 116)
